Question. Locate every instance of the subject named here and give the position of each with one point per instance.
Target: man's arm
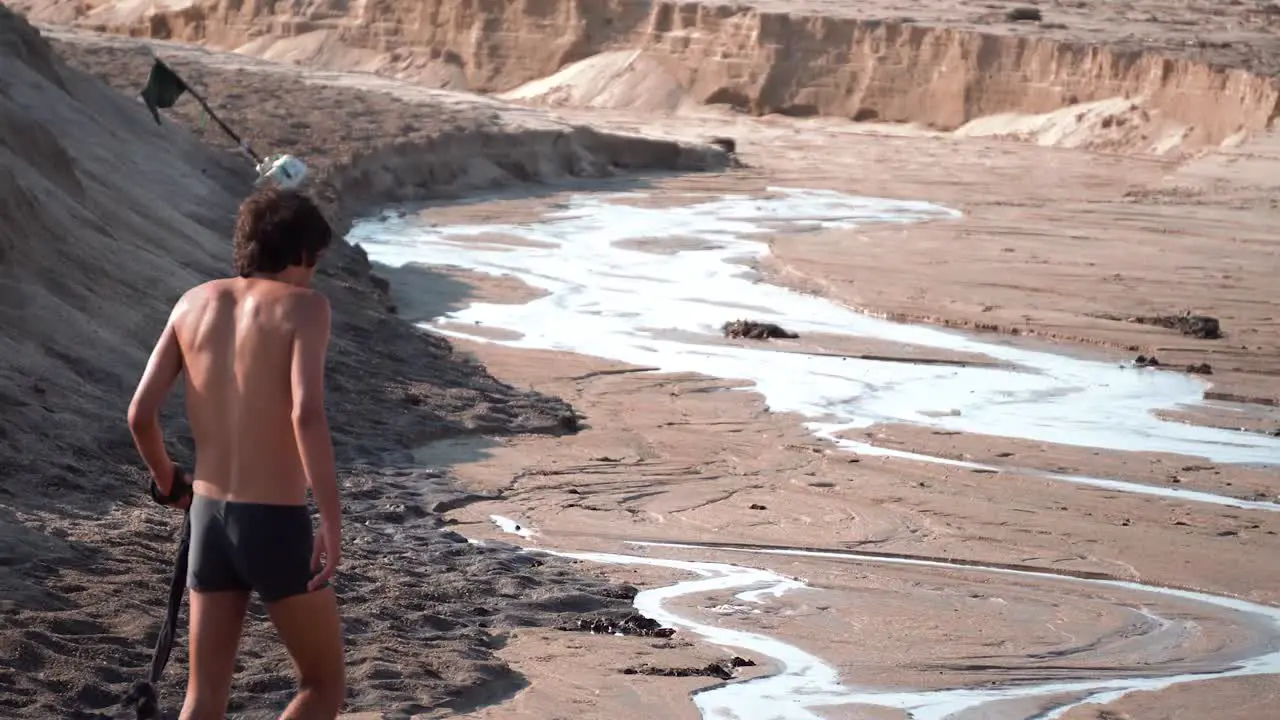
(310, 424)
(144, 410)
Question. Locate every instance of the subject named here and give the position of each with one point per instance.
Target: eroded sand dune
(90, 264)
(619, 79)
(1201, 74)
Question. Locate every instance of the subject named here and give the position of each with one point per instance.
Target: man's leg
(309, 626)
(216, 620)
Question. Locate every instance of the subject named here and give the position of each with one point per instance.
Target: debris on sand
(727, 144)
(730, 148)
(722, 669)
(1205, 327)
(1238, 398)
(1201, 326)
(1194, 368)
(1024, 14)
(631, 625)
(754, 330)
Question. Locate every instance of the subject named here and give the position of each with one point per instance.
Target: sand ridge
(1195, 74)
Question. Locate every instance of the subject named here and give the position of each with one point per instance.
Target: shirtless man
(253, 348)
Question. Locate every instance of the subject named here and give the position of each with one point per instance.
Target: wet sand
(678, 457)
(645, 475)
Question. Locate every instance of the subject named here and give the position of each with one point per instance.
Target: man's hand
(185, 503)
(178, 482)
(329, 546)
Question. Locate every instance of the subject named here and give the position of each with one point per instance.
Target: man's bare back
(252, 350)
(237, 337)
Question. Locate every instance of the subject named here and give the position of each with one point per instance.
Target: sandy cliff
(819, 60)
(89, 264)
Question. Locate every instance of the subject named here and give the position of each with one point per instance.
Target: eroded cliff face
(752, 60)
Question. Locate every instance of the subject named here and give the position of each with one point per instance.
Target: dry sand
(1053, 240)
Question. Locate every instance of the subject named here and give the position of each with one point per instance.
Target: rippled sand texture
(1111, 631)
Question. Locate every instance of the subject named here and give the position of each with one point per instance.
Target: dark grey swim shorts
(249, 546)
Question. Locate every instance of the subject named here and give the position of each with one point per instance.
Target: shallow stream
(803, 683)
(607, 296)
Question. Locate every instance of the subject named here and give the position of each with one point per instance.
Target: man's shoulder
(293, 304)
(305, 308)
(196, 297)
(203, 290)
(307, 300)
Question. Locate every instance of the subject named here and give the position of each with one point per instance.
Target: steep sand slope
(105, 218)
(90, 264)
(938, 63)
(76, 237)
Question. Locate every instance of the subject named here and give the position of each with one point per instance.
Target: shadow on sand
(422, 293)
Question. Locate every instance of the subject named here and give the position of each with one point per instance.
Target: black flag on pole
(163, 89)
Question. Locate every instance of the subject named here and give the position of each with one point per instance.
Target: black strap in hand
(142, 697)
(178, 491)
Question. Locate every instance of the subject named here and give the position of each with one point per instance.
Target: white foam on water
(803, 682)
(616, 302)
(1196, 496)
(511, 526)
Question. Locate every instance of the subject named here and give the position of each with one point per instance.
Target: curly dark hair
(276, 228)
